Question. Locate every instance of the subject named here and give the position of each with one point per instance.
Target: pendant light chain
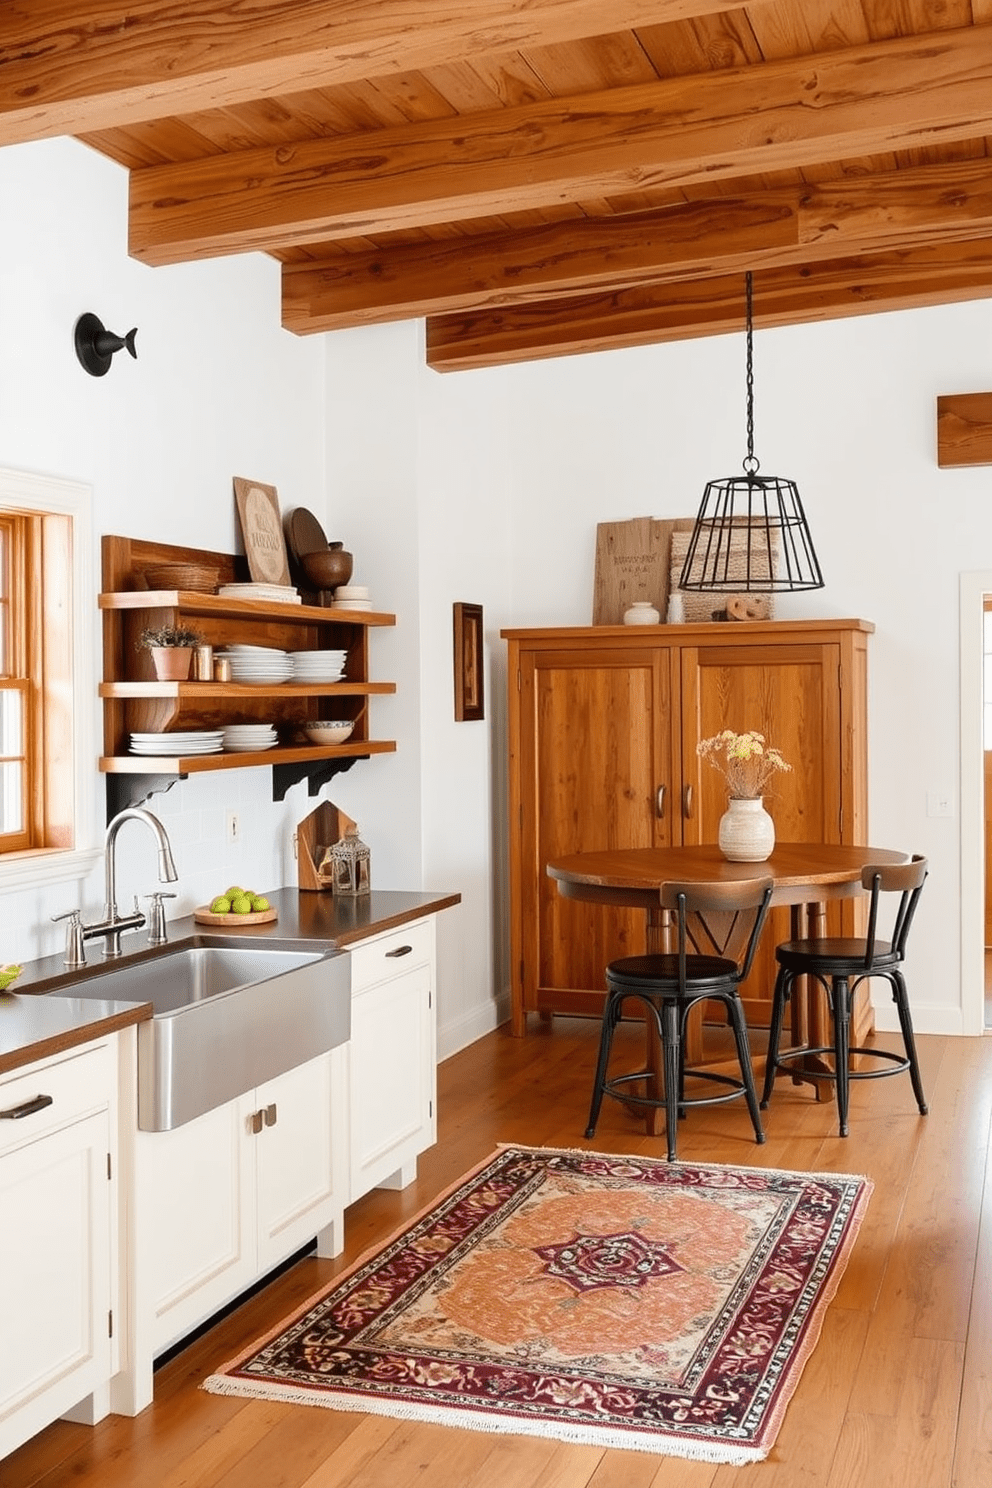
(750, 535)
(750, 463)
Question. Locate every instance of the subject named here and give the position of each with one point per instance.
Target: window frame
(65, 754)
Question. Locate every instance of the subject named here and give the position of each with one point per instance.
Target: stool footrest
(897, 1063)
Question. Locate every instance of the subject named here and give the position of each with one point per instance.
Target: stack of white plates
(207, 741)
(259, 666)
(280, 593)
(243, 738)
(318, 666)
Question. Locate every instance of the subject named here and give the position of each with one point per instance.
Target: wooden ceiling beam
(899, 280)
(787, 225)
(865, 100)
(67, 70)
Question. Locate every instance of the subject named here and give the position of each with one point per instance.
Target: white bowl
(327, 733)
(351, 591)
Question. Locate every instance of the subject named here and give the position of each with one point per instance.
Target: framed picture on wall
(469, 662)
(261, 528)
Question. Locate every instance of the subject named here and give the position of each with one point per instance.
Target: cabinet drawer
(390, 955)
(61, 1090)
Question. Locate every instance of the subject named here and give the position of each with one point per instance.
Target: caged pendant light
(751, 533)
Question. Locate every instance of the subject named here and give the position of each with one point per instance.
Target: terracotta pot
(172, 663)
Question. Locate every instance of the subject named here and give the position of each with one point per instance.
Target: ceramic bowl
(328, 733)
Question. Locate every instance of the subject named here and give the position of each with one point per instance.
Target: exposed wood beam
(901, 280)
(964, 429)
(782, 115)
(67, 70)
(796, 224)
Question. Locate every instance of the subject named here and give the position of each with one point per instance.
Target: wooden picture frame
(261, 529)
(469, 662)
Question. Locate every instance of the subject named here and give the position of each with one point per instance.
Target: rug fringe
(642, 1157)
(668, 1445)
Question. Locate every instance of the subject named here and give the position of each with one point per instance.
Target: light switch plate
(940, 803)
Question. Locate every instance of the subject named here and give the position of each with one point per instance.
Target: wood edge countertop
(39, 1016)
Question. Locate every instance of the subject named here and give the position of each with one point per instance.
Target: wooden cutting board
(205, 916)
(633, 561)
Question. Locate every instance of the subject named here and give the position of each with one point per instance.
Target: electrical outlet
(233, 826)
(940, 803)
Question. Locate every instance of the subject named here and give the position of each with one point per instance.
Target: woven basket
(195, 577)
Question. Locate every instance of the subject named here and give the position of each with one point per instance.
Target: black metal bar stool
(840, 966)
(670, 985)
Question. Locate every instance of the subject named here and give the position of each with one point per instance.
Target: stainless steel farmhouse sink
(227, 1017)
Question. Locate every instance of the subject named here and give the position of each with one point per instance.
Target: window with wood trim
(36, 767)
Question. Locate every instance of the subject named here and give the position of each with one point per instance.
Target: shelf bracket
(124, 791)
(315, 774)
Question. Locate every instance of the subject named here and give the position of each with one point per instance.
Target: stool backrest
(905, 879)
(723, 898)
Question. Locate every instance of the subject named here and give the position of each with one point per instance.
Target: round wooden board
(206, 916)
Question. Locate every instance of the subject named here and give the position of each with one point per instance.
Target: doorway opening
(975, 799)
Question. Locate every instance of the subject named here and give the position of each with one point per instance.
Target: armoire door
(595, 771)
(791, 693)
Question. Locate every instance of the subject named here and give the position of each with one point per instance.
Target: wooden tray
(205, 916)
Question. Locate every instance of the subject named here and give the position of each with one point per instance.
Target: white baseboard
(475, 1024)
(926, 1018)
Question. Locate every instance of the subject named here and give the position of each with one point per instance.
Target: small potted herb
(172, 650)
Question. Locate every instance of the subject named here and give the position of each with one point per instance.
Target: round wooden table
(807, 876)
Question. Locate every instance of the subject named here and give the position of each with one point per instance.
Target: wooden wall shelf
(135, 700)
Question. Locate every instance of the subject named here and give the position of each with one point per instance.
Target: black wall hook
(95, 346)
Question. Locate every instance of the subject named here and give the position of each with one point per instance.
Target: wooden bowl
(327, 568)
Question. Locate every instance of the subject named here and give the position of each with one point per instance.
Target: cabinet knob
(403, 950)
(687, 801)
(255, 1123)
(270, 1115)
(659, 803)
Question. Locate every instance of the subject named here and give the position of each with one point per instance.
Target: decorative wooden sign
(261, 528)
(964, 429)
(469, 662)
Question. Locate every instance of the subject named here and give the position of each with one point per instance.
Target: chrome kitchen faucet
(112, 924)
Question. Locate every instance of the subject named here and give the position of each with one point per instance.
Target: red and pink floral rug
(620, 1301)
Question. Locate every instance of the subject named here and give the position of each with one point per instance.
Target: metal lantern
(350, 865)
(751, 533)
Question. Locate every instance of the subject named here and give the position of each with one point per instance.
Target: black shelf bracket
(124, 791)
(316, 775)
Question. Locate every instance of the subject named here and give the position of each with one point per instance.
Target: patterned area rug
(619, 1301)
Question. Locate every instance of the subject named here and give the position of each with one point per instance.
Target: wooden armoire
(603, 728)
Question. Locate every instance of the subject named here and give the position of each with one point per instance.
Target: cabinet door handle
(270, 1114)
(400, 951)
(28, 1108)
(659, 800)
(255, 1122)
(687, 802)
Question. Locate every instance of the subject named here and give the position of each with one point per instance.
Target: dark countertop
(41, 1017)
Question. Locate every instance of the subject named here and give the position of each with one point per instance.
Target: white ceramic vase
(642, 612)
(747, 832)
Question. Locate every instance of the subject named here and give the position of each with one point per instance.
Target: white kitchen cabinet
(222, 1199)
(392, 1056)
(58, 1202)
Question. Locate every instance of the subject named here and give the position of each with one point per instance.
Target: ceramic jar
(746, 833)
(642, 612)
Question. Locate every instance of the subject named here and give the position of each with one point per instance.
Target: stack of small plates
(280, 593)
(244, 738)
(260, 666)
(208, 741)
(352, 597)
(318, 666)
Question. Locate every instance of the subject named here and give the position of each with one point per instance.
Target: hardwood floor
(897, 1393)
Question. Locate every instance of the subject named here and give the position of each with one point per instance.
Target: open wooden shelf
(134, 700)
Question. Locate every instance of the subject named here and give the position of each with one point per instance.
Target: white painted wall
(515, 466)
(218, 390)
(486, 487)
